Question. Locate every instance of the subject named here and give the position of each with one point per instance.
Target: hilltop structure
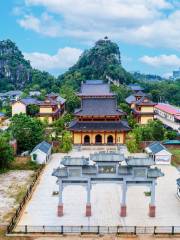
(142, 107)
(98, 121)
(51, 108)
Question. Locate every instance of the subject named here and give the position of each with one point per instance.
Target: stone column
(88, 204)
(123, 201)
(152, 207)
(60, 204)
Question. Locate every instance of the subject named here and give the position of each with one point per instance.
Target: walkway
(42, 208)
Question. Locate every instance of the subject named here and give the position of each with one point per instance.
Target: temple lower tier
(99, 132)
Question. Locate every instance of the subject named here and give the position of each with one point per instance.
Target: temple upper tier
(98, 120)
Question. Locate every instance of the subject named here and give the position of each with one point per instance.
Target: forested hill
(103, 61)
(16, 72)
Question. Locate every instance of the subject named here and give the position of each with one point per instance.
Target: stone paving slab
(105, 200)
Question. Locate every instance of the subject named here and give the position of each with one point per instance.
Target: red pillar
(123, 211)
(60, 210)
(88, 210)
(152, 210)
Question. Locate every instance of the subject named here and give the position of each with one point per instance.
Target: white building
(20, 106)
(41, 153)
(159, 153)
(168, 115)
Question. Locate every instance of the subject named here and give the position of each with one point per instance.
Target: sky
(52, 34)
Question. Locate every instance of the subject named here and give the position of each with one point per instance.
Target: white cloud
(45, 24)
(161, 60)
(142, 22)
(63, 59)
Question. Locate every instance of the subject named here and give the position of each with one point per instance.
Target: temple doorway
(110, 139)
(86, 139)
(98, 139)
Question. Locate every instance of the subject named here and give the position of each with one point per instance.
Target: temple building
(98, 121)
(142, 107)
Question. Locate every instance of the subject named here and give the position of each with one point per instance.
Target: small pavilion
(107, 167)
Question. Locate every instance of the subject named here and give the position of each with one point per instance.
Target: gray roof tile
(43, 146)
(156, 147)
(130, 99)
(155, 172)
(132, 161)
(99, 107)
(107, 157)
(80, 126)
(75, 161)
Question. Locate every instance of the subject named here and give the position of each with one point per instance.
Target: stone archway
(86, 139)
(98, 139)
(110, 139)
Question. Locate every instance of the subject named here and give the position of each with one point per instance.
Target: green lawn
(176, 157)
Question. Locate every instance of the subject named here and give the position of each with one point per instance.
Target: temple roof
(29, 101)
(130, 99)
(95, 88)
(135, 87)
(100, 125)
(145, 101)
(60, 172)
(107, 157)
(75, 161)
(134, 161)
(154, 172)
(99, 107)
(140, 93)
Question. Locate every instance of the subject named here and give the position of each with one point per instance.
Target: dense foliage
(6, 152)
(27, 131)
(164, 91)
(153, 131)
(103, 61)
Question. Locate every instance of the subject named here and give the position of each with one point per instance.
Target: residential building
(2, 117)
(20, 106)
(159, 153)
(135, 87)
(41, 153)
(168, 115)
(11, 95)
(144, 110)
(98, 120)
(142, 107)
(51, 108)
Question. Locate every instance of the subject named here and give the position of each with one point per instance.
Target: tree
(72, 100)
(27, 131)
(157, 129)
(32, 110)
(66, 143)
(58, 127)
(125, 107)
(6, 152)
(170, 134)
(132, 143)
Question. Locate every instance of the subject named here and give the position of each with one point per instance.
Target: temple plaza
(106, 198)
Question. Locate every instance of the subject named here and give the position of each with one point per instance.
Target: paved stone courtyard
(105, 200)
